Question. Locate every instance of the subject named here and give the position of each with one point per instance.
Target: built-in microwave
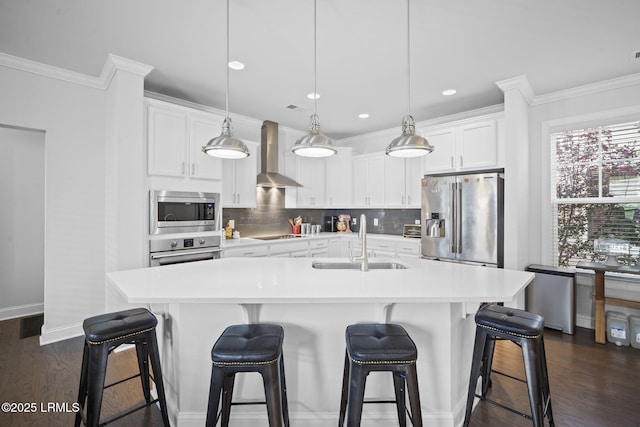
(183, 212)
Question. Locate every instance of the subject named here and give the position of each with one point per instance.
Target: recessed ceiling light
(313, 95)
(363, 115)
(236, 65)
(449, 92)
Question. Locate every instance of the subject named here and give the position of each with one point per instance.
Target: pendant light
(226, 146)
(409, 144)
(314, 144)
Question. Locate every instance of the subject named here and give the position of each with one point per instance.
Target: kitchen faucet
(362, 235)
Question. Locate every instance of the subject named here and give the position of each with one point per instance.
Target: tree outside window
(597, 180)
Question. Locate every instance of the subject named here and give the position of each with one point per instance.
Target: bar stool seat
(494, 322)
(103, 334)
(379, 347)
(248, 348)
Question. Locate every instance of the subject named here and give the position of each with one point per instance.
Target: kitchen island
(435, 302)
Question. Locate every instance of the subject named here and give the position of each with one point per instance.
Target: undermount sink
(356, 265)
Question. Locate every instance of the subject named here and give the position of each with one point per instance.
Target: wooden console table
(600, 299)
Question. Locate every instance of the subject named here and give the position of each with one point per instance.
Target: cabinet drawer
(318, 244)
(285, 248)
(252, 251)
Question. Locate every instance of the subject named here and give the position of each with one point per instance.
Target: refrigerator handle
(458, 197)
(456, 223)
(453, 240)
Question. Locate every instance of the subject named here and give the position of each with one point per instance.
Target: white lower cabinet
(408, 249)
(341, 246)
(247, 251)
(298, 249)
(319, 248)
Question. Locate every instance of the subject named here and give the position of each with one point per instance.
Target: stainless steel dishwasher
(552, 295)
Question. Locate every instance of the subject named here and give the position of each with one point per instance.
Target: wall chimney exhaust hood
(269, 176)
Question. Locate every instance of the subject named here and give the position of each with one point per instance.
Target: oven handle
(183, 253)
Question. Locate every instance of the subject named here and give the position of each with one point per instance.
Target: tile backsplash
(270, 217)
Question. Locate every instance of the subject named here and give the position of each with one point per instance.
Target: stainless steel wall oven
(175, 250)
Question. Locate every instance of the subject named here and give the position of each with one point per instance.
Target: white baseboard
(21, 311)
(585, 322)
(49, 336)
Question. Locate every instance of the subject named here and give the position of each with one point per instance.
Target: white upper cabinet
(402, 182)
(167, 136)
(202, 165)
(442, 158)
(239, 179)
(338, 179)
(468, 146)
(369, 180)
(394, 181)
(478, 145)
(413, 184)
(311, 175)
(175, 137)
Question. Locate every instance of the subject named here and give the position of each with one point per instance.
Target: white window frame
(548, 185)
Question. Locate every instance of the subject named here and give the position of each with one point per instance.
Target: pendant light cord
(408, 57)
(315, 66)
(227, 64)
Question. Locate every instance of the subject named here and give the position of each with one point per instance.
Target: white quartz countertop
(293, 280)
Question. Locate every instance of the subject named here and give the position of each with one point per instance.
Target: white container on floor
(634, 327)
(618, 328)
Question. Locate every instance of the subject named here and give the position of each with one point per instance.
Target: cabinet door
(167, 142)
(395, 191)
(441, 159)
(360, 194)
(202, 165)
(338, 179)
(239, 179)
(311, 174)
(413, 182)
(375, 180)
(229, 196)
(246, 174)
(478, 145)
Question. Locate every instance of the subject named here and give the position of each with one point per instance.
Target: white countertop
(250, 241)
(293, 280)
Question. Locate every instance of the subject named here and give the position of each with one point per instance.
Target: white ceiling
(467, 45)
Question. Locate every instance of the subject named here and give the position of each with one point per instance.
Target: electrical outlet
(416, 222)
(375, 222)
(354, 221)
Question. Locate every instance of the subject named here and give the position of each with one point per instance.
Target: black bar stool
(103, 334)
(494, 322)
(379, 347)
(248, 348)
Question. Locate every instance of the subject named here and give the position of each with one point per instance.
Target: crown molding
(520, 83)
(112, 64)
(50, 71)
(115, 63)
(589, 89)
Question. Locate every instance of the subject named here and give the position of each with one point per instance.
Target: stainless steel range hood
(269, 176)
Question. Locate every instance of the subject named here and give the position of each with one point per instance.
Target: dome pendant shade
(409, 144)
(226, 146)
(314, 144)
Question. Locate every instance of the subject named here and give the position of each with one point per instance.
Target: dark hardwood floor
(592, 385)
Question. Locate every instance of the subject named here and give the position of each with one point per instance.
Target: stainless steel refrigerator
(463, 218)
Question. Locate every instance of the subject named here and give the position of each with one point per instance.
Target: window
(596, 194)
